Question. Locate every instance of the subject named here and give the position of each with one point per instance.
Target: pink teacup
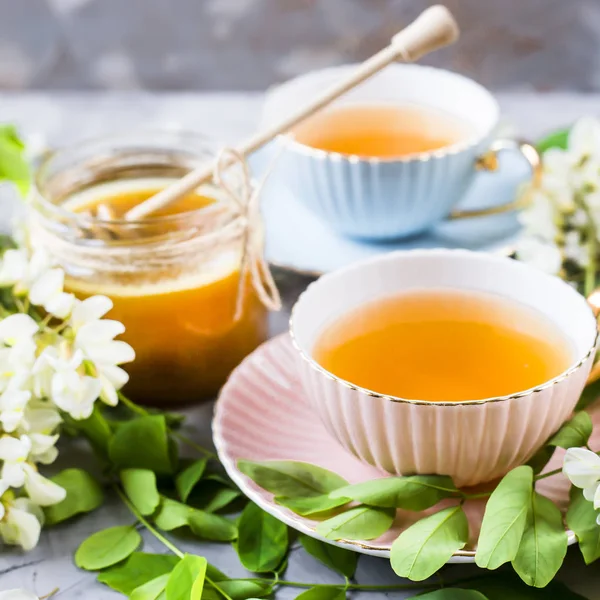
(472, 441)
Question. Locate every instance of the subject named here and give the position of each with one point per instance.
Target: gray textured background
(250, 44)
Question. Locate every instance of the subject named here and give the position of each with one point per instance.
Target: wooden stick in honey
(433, 29)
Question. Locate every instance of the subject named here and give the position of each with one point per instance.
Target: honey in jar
(174, 278)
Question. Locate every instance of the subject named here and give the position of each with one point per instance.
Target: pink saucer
(262, 414)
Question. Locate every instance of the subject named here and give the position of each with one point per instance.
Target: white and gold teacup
(471, 441)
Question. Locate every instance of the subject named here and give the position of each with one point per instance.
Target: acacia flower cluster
(58, 356)
(562, 222)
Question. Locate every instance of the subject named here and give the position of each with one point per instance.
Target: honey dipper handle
(434, 28)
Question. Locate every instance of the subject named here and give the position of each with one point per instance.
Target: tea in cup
(393, 157)
(443, 361)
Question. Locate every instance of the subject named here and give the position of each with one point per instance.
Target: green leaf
(417, 492)
(501, 587)
(311, 505)
(138, 569)
(209, 526)
(581, 518)
(173, 515)
(142, 443)
(541, 458)
(189, 477)
(187, 579)
(574, 433)
(140, 487)
(453, 594)
(359, 523)
(13, 166)
(291, 479)
(214, 574)
(323, 592)
(107, 547)
(95, 429)
(150, 590)
(262, 540)
(590, 394)
(220, 498)
(84, 495)
(240, 589)
(557, 139)
(427, 545)
(339, 559)
(505, 519)
(543, 545)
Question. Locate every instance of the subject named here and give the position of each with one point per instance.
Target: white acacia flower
(21, 269)
(41, 417)
(89, 310)
(14, 452)
(13, 403)
(22, 523)
(43, 449)
(582, 468)
(47, 291)
(539, 218)
(75, 394)
(41, 491)
(541, 255)
(584, 139)
(13, 267)
(17, 328)
(17, 594)
(574, 249)
(96, 339)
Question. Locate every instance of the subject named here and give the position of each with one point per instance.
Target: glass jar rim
(187, 138)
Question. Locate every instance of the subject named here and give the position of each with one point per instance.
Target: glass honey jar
(176, 278)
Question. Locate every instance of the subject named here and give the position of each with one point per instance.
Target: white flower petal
(39, 263)
(118, 377)
(590, 492)
(541, 255)
(60, 305)
(13, 449)
(13, 474)
(582, 467)
(40, 490)
(75, 394)
(98, 332)
(584, 137)
(111, 353)
(90, 309)
(17, 327)
(42, 420)
(48, 285)
(21, 526)
(13, 267)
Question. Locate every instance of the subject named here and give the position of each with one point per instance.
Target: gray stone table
(61, 118)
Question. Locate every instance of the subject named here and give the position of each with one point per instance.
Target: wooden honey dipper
(433, 29)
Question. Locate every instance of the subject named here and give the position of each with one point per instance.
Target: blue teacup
(381, 198)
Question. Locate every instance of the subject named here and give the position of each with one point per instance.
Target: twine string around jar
(245, 201)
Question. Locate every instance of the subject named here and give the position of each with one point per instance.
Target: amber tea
(381, 130)
(444, 345)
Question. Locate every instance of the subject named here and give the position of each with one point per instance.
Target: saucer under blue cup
(298, 240)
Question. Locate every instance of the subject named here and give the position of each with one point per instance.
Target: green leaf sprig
(14, 167)
(520, 526)
(168, 493)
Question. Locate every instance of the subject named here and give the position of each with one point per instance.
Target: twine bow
(245, 201)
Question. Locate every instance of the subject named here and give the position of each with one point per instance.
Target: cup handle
(489, 162)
